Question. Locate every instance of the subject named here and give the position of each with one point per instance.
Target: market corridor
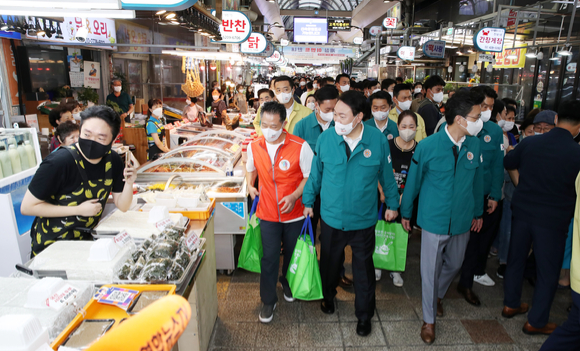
(396, 325)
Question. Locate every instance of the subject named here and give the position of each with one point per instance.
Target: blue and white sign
(154, 5)
(235, 28)
(236, 207)
(406, 53)
(434, 49)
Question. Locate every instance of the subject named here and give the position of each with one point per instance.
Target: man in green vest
(447, 174)
(381, 104)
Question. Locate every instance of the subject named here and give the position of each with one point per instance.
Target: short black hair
(460, 104)
(498, 107)
(568, 112)
(486, 90)
(407, 113)
(401, 87)
(417, 84)
(57, 112)
(399, 80)
(65, 129)
(509, 101)
(533, 114)
(274, 108)
(327, 92)
(309, 85)
(343, 75)
(381, 95)
(284, 79)
(477, 96)
(386, 83)
(510, 108)
(417, 95)
(265, 90)
(105, 113)
(329, 80)
(527, 122)
(357, 103)
(433, 81)
(193, 99)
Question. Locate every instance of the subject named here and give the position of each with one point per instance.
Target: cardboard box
(138, 104)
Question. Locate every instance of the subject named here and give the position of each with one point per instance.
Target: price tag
(192, 242)
(62, 297)
(164, 223)
(123, 239)
(116, 296)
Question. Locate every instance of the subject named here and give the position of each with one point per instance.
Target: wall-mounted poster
(92, 72)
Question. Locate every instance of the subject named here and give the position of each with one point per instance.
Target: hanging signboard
(275, 57)
(98, 30)
(339, 24)
(406, 53)
(154, 5)
(358, 40)
(434, 49)
(318, 54)
(390, 22)
(374, 30)
(489, 39)
(284, 42)
(256, 44)
(129, 33)
(235, 27)
(501, 60)
(485, 57)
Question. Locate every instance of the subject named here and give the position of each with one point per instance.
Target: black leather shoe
(327, 307)
(345, 282)
(363, 328)
(469, 295)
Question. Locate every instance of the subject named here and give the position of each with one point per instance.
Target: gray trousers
(441, 260)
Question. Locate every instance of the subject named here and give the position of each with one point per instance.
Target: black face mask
(92, 149)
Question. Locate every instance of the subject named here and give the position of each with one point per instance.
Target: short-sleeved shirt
(123, 100)
(218, 106)
(306, 155)
(401, 163)
(60, 171)
(153, 127)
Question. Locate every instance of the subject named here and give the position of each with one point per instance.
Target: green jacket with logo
(491, 142)
(309, 129)
(391, 132)
(450, 192)
(348, 188)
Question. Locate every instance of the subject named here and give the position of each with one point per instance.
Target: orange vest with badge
(279, 179)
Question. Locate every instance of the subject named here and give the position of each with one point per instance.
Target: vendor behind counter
(72, 185)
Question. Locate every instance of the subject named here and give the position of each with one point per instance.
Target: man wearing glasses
(544, 122)
(447, 174)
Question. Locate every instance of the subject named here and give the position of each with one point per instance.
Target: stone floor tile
(402, 333)
(486, 331)
(499, 347)
(282, 335)
(311, 313)
(530, 347)
(235, 334)
(514, 330)
(396, 310)
(346, 312)
(320, 335)
(375, 338)
(240, 311)
(451, 332)
(461, 309)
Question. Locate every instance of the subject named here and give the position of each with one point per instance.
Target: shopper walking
(282, 162)
(381, 104)
(543, 205)
(72, 185)
(122, 99)
(492, 149)
(402, 99)
(350, 161)
(429, 106)
(264, 95)
(284, 90)
(447, 174)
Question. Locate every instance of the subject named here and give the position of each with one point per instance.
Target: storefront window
(553, 83)
(569, 76)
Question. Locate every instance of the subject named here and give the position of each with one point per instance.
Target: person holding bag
(282, 162)
(350, 160)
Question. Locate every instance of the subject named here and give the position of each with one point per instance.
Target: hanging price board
(489, 39)
(235, 27)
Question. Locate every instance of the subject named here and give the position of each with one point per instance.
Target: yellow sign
(502, 60)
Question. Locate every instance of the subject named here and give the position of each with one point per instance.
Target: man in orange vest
(282, 161)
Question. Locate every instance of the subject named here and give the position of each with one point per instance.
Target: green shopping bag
(390, 245)
(251, 253)
(303, 274)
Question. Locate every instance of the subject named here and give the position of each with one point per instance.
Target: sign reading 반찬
(235, 28)
(489, 39)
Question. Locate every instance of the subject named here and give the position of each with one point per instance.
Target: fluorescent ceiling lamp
(531, 54)
(554, 58)
(159, 13)
(208, 55)
(512, 56)
(65, 4)
(565, 52)
(52, 12)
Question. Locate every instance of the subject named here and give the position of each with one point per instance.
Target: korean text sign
(434, 49)
(489, 39)
(235, 28)
(255, 44)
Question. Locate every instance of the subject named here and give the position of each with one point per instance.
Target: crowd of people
(461, 171)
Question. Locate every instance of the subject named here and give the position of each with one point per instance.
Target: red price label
(162, 224)
(123, 238)
(192, 242)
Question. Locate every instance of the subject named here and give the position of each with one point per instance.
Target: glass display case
(230, 136)
(188, 166)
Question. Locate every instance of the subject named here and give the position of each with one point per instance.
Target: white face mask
(271, 135)
(344, 129)
(315, 86)
(311, 105)
(380, 115)
(473, 128)
(485, 115)
(77, 116)
(284, 98)
(407, 134)
(326, 116)
(505, 125)
(376, 91)
(158, 112)
(537, 133)
(417, 90)
(404, 106)
(391, 93)
(117, 89)
(345, 88)
(438, 97)
(188, 102)
(302, 84)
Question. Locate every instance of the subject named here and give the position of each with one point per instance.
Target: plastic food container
(40, 292)
(21, 332)
(103, 250)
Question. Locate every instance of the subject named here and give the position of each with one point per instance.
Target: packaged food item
(182, 258)
(163, 249)
(137, 253)
(156, 269)
(173, 233)
(126, 269)
(175, 272)
(137, 268)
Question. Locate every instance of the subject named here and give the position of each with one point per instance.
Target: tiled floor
(396, 324)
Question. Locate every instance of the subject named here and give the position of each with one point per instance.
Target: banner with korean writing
(11, 71)
(434, 49)
(129, 33)
(235, 28)
(489, 39)
(256, 44)
(99, 30)
(318, 54)
(502, 60)
(92, 71)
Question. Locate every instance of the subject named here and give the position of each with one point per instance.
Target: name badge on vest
(487, 138)
(470, 156)
(284, 165)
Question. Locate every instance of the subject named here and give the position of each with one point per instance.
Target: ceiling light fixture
(530, 54)
(170, 16)
(159, 13)
(565, 51)
(553, 58)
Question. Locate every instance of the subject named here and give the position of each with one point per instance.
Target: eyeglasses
(543, 129)
(474, 117)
